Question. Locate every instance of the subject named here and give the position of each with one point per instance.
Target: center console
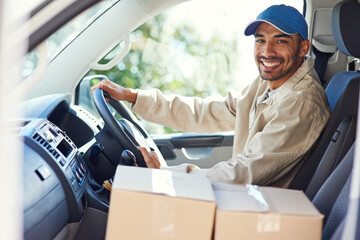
(64, 159)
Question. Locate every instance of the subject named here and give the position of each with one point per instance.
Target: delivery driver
(276, 119)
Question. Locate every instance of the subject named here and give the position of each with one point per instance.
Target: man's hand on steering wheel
(149, 158)
(116, 91)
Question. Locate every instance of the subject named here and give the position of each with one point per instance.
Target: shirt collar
(270, 93)
(266, 95)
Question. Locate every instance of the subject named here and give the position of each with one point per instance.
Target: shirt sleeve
(292, 128)
(188, 114)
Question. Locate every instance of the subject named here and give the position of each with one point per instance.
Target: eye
(282, 41)
(259, 41)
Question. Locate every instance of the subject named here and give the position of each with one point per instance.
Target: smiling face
(278, 55)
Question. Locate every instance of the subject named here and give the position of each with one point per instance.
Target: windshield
(61, 38)
(192, 51)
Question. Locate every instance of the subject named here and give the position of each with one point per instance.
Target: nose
(268, 50)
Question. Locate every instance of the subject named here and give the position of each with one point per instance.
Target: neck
(277, 83)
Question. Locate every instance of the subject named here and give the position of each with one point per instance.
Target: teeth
(268, 64)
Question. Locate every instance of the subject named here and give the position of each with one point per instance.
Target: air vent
(89, 116)
(46, 145)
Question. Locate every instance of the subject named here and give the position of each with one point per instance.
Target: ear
(304, 48)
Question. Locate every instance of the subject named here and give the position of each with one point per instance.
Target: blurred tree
(175, 60)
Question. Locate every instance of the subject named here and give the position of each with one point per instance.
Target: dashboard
(58, 187)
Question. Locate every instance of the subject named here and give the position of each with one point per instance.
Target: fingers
(101, 85)
(116, 91)
(109, 87)
(104, 84)
(151, 159)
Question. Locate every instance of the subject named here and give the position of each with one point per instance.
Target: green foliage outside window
(175, 61)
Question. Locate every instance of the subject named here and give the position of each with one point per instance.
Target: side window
(83, 95)
(189, 50)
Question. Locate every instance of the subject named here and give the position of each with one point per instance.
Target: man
(277, 119)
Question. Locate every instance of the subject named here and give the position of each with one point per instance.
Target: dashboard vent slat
(46, 145)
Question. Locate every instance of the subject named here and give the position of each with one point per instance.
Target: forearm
(185, 113)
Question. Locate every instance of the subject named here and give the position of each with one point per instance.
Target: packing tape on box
(162, 182)
(254, 191)
(269, 222)
(163, 215)
(163, 219)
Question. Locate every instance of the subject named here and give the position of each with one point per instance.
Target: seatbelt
(320, 63)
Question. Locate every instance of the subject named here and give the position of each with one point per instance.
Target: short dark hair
(300, 38)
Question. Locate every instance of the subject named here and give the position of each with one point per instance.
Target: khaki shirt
(271, 137)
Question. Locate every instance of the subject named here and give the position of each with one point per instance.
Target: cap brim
(251, 28)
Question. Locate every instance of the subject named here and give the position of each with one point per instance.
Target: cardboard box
(251, 212)
(159, 204)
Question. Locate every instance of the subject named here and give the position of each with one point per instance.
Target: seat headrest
(345, 27)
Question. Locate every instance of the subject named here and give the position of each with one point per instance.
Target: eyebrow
(276, 36)
(282, 36)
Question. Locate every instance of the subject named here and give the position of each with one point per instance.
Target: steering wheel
(128, 131)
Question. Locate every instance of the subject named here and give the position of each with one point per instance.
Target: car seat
(343, 94)
(332, 198)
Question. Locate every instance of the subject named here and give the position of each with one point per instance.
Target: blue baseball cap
(285, 18)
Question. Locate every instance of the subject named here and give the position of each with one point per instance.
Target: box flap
(230, 197)
(175, 184)
(289, 201)
(251, 198)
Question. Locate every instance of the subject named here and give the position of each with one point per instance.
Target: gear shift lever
(127, 158)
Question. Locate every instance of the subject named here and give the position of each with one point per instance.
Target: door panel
(203, 150)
